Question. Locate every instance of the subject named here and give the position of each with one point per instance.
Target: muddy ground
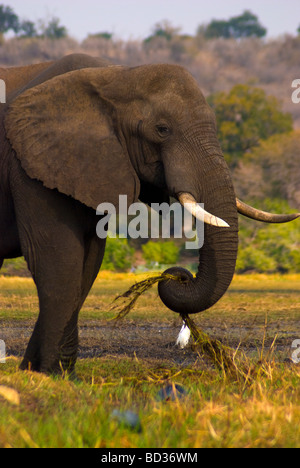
(156, 341)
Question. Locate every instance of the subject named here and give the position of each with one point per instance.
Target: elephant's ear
(63, 134)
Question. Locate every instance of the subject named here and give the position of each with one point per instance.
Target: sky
(134, 19)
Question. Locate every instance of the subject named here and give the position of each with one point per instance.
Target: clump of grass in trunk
(135, 291)
(234, 364)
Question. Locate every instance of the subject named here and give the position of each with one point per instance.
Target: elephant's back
(16, 78)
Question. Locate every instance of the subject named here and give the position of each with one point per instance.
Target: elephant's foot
(58, 367)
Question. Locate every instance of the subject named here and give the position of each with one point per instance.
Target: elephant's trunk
(217, 256)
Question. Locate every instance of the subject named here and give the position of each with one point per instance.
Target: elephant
(80, 131)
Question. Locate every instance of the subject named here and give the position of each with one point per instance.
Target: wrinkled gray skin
(76, 133)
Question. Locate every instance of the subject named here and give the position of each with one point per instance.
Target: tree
(8, 20)
(163, 253)
(163, 30)
(215, 28)
(28, 29)
(271, 170)
(53, 30)
(101, 35)
(245, 25)
(269, 248)
(245, 116)
(118, 255)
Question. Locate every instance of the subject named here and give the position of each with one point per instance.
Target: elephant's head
(96, 133)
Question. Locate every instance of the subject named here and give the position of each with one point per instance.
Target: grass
(216, 412)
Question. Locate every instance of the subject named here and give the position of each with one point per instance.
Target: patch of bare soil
(153, 340)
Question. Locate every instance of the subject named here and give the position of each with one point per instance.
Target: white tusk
(183, 337)
(189, 202)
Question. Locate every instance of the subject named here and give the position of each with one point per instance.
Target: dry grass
(130, 297)
(216, 64)
(224, 357)
(234, 364)
(217, 411)
(214, 413)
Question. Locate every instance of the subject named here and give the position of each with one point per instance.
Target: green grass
(56, 413)
(216, 412)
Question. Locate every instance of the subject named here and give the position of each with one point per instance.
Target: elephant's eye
(163, 130)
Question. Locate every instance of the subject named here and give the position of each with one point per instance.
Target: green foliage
(8, 20)
(216, 28)
(269, 248)
(162, 30)
(163, 253)
(245, 25)
(245, 116)
(27, 29)
(254, 259)
(102, 35)
(53, 30)
(272, 170)
(15, 267)
(118, 255)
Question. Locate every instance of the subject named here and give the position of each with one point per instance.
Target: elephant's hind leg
(53, 346)
(57, 272)
(52, 242)
(58, 241)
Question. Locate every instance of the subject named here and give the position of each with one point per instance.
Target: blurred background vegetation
(246, 78)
